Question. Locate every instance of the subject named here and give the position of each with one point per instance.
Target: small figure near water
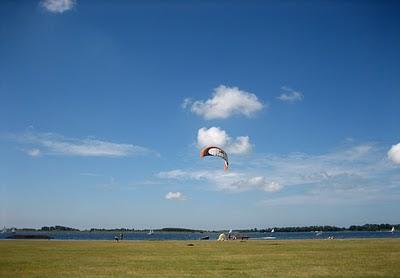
(222, 237)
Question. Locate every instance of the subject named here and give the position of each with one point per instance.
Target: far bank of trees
(325, 228)
(58, 228)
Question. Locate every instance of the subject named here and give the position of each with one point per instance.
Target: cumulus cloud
(225, 102)
(58, 6)
(33, 152)
(394, 154)
(57, 144)
(290, 95)
(218, 137)
(175, 196)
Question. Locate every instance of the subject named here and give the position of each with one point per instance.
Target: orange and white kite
(215, 151)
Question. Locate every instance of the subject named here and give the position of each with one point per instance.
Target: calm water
(213, 236)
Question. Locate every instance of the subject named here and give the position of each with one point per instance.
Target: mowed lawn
(291, 258)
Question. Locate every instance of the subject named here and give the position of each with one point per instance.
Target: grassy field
(296, 258)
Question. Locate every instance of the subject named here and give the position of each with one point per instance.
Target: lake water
(196, 236)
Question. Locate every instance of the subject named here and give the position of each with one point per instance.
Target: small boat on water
(150, 232)
(205, 238)
(273, 231)
(392, 230)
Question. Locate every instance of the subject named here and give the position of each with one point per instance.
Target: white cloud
(354, 172)
(186, 103)
(291, 95)
(173, 174)
(175, 196)
(218, 137)
(58, 6)
(56, 144)
(231, 182)
(225, 102)
(342, 167)
(394, 153)
(240, 145)
(321, 198)
(33, 152)
(261, 182)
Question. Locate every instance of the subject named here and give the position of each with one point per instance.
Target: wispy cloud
(231, 182)
(339, 166)
(290, 95)
(352, 174)
(33, 152)
(354, 171)
(56, 144)
(325, 198)
(175, 196)
(218, 137)
(58, 6)
(224, 103)
(394, 154)
(91, 175)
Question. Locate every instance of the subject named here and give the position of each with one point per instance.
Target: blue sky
(104, 106)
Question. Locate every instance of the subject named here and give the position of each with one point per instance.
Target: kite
(215, 151)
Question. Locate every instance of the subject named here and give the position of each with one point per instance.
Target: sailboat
(273, 230)
(150, 232)
(392, 230)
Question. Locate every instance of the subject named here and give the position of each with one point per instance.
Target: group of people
(223, 237)
(119, 237)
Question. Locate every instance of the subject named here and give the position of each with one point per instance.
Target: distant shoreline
(323, 228)
(188, 236)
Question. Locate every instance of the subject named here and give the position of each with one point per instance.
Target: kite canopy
(215, 151)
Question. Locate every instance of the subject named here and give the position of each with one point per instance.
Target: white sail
(273, 231)
(392, 230)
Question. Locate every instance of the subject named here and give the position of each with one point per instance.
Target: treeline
(176, 230)
(306, 229)
(58, 228)
(111, 230)
(374, 227)
(180, 230)
(366, 227)
(62, 228)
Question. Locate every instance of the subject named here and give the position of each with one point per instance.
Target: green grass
(296, 258)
